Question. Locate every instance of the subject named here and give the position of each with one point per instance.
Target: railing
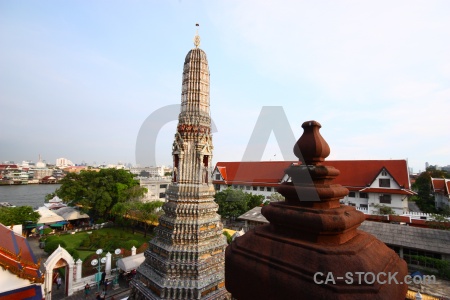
(412, 215)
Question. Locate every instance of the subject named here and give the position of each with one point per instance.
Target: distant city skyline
(79, 79)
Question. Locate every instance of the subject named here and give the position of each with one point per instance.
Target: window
(247, 188)
(269, 189)
(163, 186)
(386, 199)
(234, 186)
(162, 195)
(217, 176)
(254, 188)
(261, 188)
(352, 194)
(384, 182)
(384, 173)
(364, 195)
(365, 206)
(411, 256)
(217, 187)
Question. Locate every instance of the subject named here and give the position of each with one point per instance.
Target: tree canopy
(132, 212)
(98, 192)
(235, 202)
(18, 215)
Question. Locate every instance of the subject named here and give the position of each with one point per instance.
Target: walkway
(38, 252)
(121, 293)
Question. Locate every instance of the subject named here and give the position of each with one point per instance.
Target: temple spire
(185, 259)
(197, 37)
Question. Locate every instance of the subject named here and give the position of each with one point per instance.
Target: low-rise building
(441, 188)
(371, 183)
(150, 171)
(156, 188)
(63, 162)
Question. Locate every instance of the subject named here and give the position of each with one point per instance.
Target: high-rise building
(185, 259)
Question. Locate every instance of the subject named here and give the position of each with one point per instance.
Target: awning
(56, 225)
(71, 213)
(28, 226)
(48, 216)
(130, 263)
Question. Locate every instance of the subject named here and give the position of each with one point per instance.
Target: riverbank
(12, 182)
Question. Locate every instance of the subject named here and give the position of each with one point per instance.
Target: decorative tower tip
(197, 37)
(311, 145)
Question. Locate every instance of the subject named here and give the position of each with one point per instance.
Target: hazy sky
(79, 78)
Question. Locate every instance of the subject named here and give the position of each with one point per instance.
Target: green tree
(228, 236)
(148, 214)
(385, 210)
(18, 215)
(74, 253)
(276, 197)
(132, 212)
(98, 192)
(234, 202)
(53, 245)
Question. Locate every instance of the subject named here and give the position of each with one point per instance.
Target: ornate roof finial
(197, 37)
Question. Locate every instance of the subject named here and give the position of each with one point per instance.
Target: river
(28, 194)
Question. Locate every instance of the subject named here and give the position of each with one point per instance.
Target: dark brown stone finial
(310, 231)
(311, 148)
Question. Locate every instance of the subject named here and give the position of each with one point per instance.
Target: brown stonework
(311, 232)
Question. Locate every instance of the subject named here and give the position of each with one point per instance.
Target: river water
(28, 194)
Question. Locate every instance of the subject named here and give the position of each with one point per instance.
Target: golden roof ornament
(197, 37)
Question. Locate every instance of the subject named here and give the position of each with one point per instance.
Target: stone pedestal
(312, 249)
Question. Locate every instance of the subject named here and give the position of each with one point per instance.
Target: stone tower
(185, 259)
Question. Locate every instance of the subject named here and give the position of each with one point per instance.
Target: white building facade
(156, 188)
(159, 171)
(372, 184)
(64, 162)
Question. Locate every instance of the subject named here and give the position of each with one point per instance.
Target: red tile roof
(8, 166)
(361, 173)
(252, 172)
(440, 185)
(354, 174)
(17, 256)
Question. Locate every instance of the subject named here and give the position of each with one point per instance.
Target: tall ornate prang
(309, 233)
(185, 259)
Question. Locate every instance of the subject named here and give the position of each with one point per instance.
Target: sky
(79, 79)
